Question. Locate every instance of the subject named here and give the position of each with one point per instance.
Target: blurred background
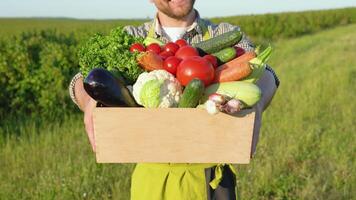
(307, 146)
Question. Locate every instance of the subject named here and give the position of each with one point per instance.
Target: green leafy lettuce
(112, 53)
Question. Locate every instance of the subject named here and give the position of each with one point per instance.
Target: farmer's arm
(268, 84)
(85, 103)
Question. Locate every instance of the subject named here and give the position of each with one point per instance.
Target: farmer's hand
(87, 105)
(88, 121)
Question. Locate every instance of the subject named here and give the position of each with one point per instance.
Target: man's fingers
(88, 122)
(90, 132)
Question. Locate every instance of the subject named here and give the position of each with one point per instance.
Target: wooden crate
(172, 135)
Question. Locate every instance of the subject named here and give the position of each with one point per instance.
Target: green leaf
(150, 94)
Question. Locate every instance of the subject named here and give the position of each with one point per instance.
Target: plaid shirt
(194, 33)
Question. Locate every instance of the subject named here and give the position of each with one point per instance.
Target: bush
(288, 25)
(35, 69)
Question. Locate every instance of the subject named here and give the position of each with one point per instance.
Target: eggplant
(107, 89)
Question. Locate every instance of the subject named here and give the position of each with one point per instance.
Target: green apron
(173, 181)
(168, 181)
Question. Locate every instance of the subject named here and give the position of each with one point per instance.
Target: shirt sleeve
(246, 44)
(140, 31)
(71, 87)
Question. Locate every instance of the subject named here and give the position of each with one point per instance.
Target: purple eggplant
(107, 89)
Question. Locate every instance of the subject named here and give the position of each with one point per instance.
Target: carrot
(150, 61)
(235, 69)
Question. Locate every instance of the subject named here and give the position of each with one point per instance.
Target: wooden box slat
(172, 135)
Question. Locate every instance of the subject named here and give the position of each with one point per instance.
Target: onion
(217, 98)
(212, 107)
(232, 106)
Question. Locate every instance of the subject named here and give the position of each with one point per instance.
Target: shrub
(287, 25)
(35, 69)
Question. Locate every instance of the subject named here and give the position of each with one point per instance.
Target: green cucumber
(217, 43)
(192, 94)
(225, 55)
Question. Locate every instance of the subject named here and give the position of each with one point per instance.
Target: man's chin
(179, 13)
(178, 3)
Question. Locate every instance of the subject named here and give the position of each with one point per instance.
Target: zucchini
(220, 42)
(225, 55)
(192, 94)
(248, 93)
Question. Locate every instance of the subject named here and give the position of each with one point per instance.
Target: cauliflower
(157, 89)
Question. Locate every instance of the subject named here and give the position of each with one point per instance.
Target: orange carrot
(150, 61)
(235, 69)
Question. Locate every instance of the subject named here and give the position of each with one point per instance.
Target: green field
(307, 146)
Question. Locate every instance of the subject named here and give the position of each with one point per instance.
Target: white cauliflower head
(157, 89)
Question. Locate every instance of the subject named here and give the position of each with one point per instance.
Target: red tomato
(154, 47)
(171, 64)
(212, 59)
(195, 67)
(186, 51)
(165, 54)
(181, 43)
(171, 47)
(137, 47)
(239, 51)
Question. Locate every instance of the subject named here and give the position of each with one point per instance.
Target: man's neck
(167, 21)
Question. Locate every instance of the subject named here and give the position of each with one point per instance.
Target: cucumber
(248, 93)
(225, 55)
(192, 94)
(217, 43)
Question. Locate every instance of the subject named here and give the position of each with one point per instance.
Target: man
(177, 19)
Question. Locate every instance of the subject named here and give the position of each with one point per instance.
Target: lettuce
(111, 52)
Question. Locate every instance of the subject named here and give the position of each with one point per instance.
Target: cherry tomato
(181, 43)
(186, 51)
(171, 64)
(154, 47)
(165, 54)
(212, 59)
(195, 67)
(137, 47)
(239, 51)
(171, 47)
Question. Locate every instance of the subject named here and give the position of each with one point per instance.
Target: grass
(54, 161)
(307, 147)
(306, 150)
